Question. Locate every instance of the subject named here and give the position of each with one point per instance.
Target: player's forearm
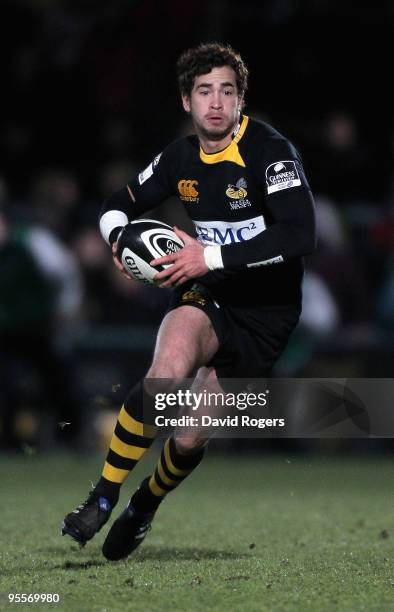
(276, 244)
(115, 213)
(122, 207)
(133, 200)
(291, 235)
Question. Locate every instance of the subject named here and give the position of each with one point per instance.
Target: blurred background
(89, 97)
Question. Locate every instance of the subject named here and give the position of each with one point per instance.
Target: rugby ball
(143, 240)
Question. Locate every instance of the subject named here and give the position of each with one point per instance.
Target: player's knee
(188, 444)
(170, 370)
(154, 383)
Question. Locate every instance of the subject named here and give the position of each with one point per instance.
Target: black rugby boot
(87, 519)
(127, 533)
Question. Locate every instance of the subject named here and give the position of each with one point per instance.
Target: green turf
(243, 533)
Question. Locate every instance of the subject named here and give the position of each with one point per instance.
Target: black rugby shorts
(251, 339)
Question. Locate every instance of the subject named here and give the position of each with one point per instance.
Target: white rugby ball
(143, 240)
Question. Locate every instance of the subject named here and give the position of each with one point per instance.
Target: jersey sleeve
(288, 211)
(144, 192)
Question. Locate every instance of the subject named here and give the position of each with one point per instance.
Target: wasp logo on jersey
(237, 191)
(187, 190)
(282, 175)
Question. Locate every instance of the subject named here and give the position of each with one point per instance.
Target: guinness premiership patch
(282, 175)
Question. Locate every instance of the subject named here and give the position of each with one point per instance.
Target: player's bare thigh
(185, 342)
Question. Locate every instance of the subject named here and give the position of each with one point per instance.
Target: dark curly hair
(201, 59)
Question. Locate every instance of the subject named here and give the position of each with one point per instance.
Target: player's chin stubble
(215, 135)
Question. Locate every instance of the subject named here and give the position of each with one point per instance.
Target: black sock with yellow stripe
(130, 441)
(172, 468)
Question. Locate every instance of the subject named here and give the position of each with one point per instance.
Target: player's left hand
(187, 263)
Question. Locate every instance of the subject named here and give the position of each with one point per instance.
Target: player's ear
(186, 103)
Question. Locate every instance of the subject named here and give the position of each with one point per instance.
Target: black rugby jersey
(252, 199)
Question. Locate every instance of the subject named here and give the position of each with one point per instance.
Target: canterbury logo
(187, 190)
(237, 191)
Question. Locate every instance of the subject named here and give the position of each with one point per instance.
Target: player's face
(214, 104)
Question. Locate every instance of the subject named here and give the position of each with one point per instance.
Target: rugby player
(237, 284)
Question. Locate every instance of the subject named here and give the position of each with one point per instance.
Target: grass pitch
(257, 533)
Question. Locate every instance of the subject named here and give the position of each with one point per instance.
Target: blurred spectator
(320, 313)
(336, 262)
(385, 301)
(334, 292)
(344, 166)
(40, 293)
(112, 299)
(319, 319)
(113, 176)
(116, 138)
(55, 199)
(383, 236)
